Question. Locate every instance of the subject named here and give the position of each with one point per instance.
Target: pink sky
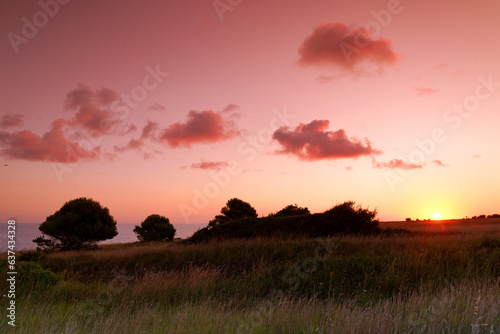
(174, 107)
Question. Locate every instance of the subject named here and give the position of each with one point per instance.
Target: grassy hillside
(420, 283)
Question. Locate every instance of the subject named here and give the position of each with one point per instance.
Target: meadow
(441, 277)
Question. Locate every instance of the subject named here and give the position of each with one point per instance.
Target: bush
(155, 228)
(345, 218)
(291, 210)
(235, 209)
(351, 218)
(79, 223)
(30, 276)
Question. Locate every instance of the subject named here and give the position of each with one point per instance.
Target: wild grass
(423, 283)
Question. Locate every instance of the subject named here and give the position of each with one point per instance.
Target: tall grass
(398, 283)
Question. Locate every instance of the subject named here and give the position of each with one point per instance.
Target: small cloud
(397, 164)
(422, 91)
(314, 142)
(231, 108)
(348, 168)
(213, 165)
(148, 132)
(156, 107)
(439, 163)
(200, 127)
(449, 70)
(53, 146)
(11, 120)
(476, 156)
(348, 49)
(324, 79)
(109, 157)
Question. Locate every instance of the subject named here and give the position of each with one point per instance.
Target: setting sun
(437, 215)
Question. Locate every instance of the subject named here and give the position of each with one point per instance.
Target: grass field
(444, 278)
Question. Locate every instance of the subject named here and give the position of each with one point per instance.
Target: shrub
(155, 228)
(351, 218)
(291, 210)
(79, 223)
(30, 276)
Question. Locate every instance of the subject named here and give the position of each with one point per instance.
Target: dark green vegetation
(345, 218)
(79, 223)
(421, 283)
(235, 209)
(291, 210)
(155, 228)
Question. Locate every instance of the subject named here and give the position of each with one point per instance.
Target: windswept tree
(235, 209)
(291, 210)
(79, 223)
(155, 228)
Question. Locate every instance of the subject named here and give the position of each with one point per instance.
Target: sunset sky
(174, 107)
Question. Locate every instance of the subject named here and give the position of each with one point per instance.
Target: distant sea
(26, 232)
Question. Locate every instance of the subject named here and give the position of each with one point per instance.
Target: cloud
(422, 91)
(148, 132)
(324, 79)
(156, 107)
(53, 146)
(231, 108)
(211, 165)
(346, 48)
(397, 164)
(439, 163)
(476, 156)
(314, 142)
(96, 111)
(401, 164)
(200, 127)
(11, 120)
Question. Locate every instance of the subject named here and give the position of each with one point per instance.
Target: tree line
(83, 222)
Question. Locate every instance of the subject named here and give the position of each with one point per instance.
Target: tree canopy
(81, 222)
(235, 209)
(155, 228)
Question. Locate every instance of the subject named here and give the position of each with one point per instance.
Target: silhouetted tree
(79, 223)
(155, 228)
(351, 218)
(235, 209)
(291, 210)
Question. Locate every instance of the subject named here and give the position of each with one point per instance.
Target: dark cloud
(11, 120)
(348, 49)
(53, 146)
(200, 127)
(314, 142)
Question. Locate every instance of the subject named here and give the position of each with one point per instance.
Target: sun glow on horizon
(437, 215)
